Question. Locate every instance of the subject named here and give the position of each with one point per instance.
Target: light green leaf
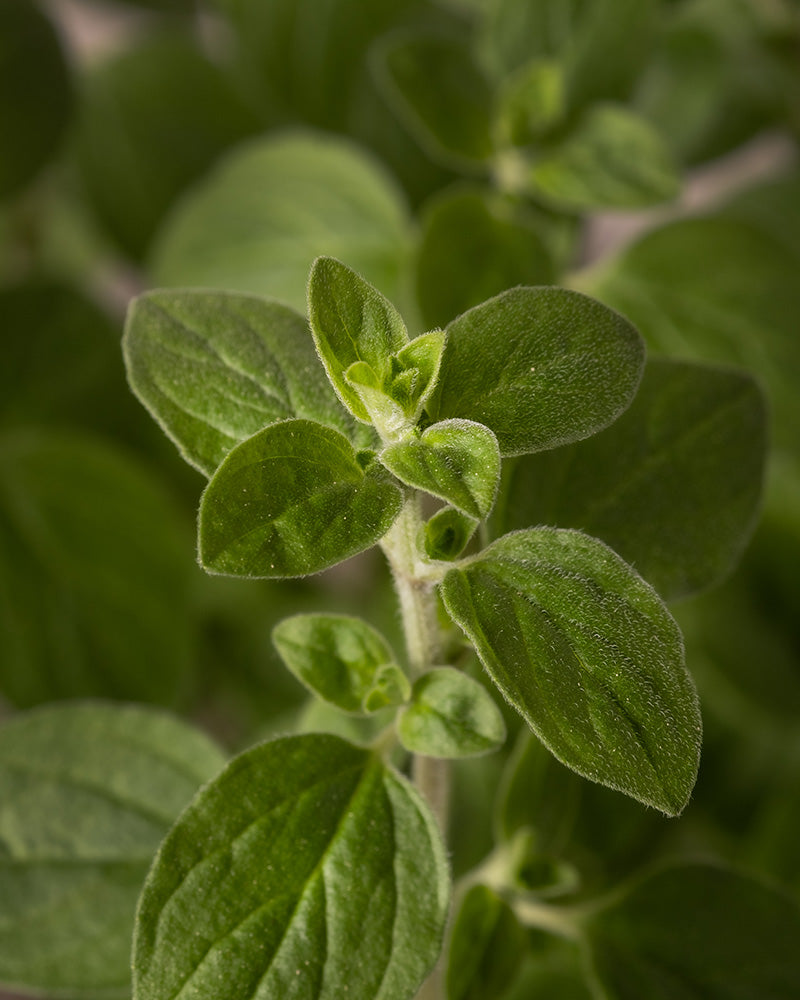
(611, 159)
(531, 101)
(487, 947)
(673, 486)
(290, 501)
(447, 533)
(337, 657)
(696, 930)
(390, 688)
(450, 715)
(352, 322)
(539, 366)
(587, 653)
(306, 870)
(476, 244)
(94, 574)
(88, 791)
(35, 93)
(215, 367)
(440, 92)
(257, 221)
(456, 460)
(417, 370)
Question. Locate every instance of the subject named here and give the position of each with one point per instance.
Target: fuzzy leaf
(450, 715)
(447, 533)
(673, 486)
(307, 870)
(215, 367)
(290, 501)
(352, 322)
(696, 930)
(456, 460)
(587, 653)
(88, 791)
(417, 369)
(337, 657)
(540, 367)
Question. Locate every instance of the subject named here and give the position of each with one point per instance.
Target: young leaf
(612, 159)
(456, 460)
(290, 501)
(337, 657)
(447, 533)
(417, 369)
(307, 869)
(673, 486)
(88, 791)
(450, 715)
(588, 654)
(540, 367)
(531, 101)
(215, 367)
(696, 930)
(487, 947)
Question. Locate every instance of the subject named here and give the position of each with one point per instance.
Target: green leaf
(152, 119)
(315, 867)
(447, 533)
(613, 158)
(258, 220)
(94, 574)
(215, 367)
(337, 657)
(696, 930)
(487, 947)
(88, 792)
(417, 370)
(450, 715)
(587, 653)
(531, 101)
(290, 501)
(540, 367)
(35, 93)
(673, 486)
(476, 244)
(352, 322)
(441, 94)
(456, 460)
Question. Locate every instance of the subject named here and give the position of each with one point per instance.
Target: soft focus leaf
(540, 367)
(584, 649)
(532, 101)
(88, 791)
(290, 501)
(318, 868)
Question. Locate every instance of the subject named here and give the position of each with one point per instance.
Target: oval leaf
(335, 656)
(88, 791)
(673, 486)
(290, 501)
(450, 715)
(456, 460)
(213, 368)
(540, 367)
(587, 653)
(307, 870)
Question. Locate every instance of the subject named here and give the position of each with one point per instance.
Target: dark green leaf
(88, 792)
(152, 119)
(540, 367)
(259, 219)
(475, 245)
(456, 460)
(35, 92)
(290, 501)
(487, 947)
(447, 533)
(352, 322)
(306, 870)
(215, 367)
(696, 930)
(450, 715)
(441, 93)
(587, 653)
(673, 486)
(94, 574)
(613, 158)
(337, 657)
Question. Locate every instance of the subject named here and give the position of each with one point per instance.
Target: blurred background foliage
(643, 151)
